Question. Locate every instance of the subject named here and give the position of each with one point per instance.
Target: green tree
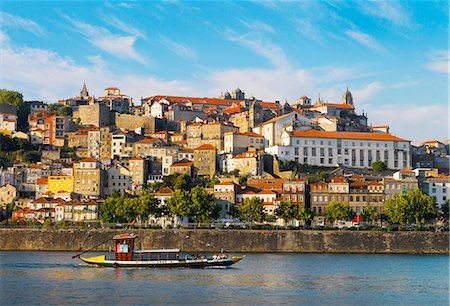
(371, 214)
(180, 203)
(243, 180)
(339, 211)
(415, 206)
(287, 210)
(204, 208)
(379, 166)
(323, 175)
(252, 209)
(108, 208)
(15, 98)
(60, 110)
(304, 214)
(444, 211)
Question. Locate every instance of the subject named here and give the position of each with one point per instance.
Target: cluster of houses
(109, 143)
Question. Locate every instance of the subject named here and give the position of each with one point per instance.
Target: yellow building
(58, 183)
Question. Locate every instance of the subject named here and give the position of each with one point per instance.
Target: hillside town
(170, 160)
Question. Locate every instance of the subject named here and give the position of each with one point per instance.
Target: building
(296, 191)
(138, 171)
(351, 149)
(8, 122)
(182, 167)
(8, 193)
(248, 163)
(437, 187)
(239, 142)
(116, 101)
(77, 211)
(339, 189)
(96, 114)
(41, 187)
(319, 200)
(60, 183)
(205, 160)
(55, 128)
(88, 176)
(225, 196)
(273, 128)
(119, 179)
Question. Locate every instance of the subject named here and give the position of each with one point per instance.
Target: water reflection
(259, 279)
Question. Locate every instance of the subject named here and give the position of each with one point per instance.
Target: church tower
(347, 98)
(238, 94)
(84, 92)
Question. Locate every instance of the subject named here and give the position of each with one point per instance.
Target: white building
(351, 149)
(158, 109)
(438, 187)
(8, 122)
(94, 141)
(273, 128)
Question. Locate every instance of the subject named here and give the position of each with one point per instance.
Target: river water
(30, 278)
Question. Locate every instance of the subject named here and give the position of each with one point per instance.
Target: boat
(126, 256)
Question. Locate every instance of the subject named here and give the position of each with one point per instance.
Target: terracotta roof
(303, 97)
(348, 135)
(246, 155)
(194, 100)
(250, 134)
(357, 176)
(269, 105)
(358, 183)
(195, 123)
(375, 184)
(225, 184)
(164, 191)
(88, 160)
(232, 110)
(34, 166)
(182, 163)
(111, 88)
(338, 179)
(205, 147)
(432, 142)
(42, 181)
(380, 126)
(337, 105)
(406, 171)
(148, 140)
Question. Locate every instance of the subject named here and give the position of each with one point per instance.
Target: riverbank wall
(244, 241)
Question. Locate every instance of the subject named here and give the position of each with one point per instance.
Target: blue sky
(392, 55)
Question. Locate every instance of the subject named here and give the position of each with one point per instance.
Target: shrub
(47, 224)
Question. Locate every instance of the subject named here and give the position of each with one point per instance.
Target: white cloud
(117, 45)
(8, 20)
(44, 75)
(364, 93)
(414, 122)
(439, 61)
(260, 45)
(4, 38)
(391, 11)
(308, 29)
(125, 27)
(258, 26)
(366, 40)
(178, 48)
(127, 4)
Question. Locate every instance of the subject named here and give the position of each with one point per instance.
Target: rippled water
(314, 279)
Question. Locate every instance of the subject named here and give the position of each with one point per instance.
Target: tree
(286, 210)
(60, 110)
(415, 206)
(243, 180)
(108, 208)
(304, 214)
(252, 209)
(379, 166)
(371, 214)
(204, 208)
(444, 212)
(339, 211)
(196, 203)
(15, 99)
(323, 175)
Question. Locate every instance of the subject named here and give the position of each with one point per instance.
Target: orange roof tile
(406, 171)
(42, 181)
(148, 140)
(348, 135)
(225, 184)
(205, 147)
(338, 179)
(182, 163)
(164, 191)
(88, 160)
(269, 105)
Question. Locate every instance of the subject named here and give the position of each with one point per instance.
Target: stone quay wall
(244, 241)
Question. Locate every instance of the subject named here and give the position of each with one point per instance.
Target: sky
(393, 55)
